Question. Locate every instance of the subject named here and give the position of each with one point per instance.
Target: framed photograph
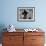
(26, 14)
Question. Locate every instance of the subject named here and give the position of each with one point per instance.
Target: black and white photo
(26, 14)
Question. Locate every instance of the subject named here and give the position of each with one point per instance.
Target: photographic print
(26, 14)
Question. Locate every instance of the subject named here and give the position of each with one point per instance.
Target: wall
(9, 13)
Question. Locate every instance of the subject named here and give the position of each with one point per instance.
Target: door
(13, 40)
(27, 39)
(37, 40)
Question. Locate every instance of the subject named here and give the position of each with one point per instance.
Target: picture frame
(26, 14)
